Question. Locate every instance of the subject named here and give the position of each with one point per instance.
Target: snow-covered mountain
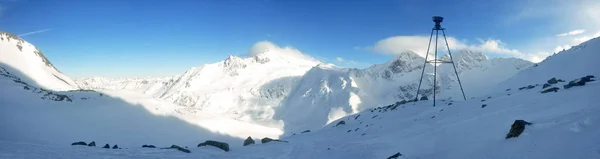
(283, 88)
(563, 125)
(27, 60)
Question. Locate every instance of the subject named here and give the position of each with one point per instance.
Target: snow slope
(564, 126)
(327, 93)
(25, 58)
(281, 88)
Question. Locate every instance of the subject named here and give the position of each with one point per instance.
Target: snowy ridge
(294, 92)
(27, 60)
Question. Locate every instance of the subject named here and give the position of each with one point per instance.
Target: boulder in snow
(266, 140)
(517, 128)
(306, 131)
(553, 89)
(340, 123)
(179, 148)
(248, 141)
(79, 143)
(148, 146)
(552, 81)
(221, 145)
(106, 146)
(93, 143)
(115, 147)
(395, 156)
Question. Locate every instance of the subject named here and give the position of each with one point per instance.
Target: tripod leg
(435, 65)
(456, 72)
(424, 64)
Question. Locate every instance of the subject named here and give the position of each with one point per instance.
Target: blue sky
(117, 38)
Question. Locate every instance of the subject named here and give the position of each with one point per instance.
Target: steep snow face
(575, 62)
(27, 60)
(325, 92)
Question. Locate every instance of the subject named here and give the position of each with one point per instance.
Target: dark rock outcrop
(306, 131)
(517, 128)
(340, 123)
(148, 146)
(579, 82)
(267, 140)
(180, 148)
(483, 106)
(552, 81)
(115, 147)
(395, 156)
(221, 145)
(106, 146)
(248, 141)
(79, 143)
(553, 89)
(93, 143)
(546, 85)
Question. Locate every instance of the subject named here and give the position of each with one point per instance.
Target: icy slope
(27, 59)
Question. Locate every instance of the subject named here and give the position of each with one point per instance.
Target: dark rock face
(93, 143)
(546, 85)
(306, 131)
(223, 146)
(106, 146)
(553, 89)
(530, 87)
(483, 106)
(248, 141)
(395, 156)
(340, 123)
(552, 81)
(79, 143)
(579, 82)
(180, 148)
(266, 140)
(148, 146)
(424, 98)
(517, 128)
(115, 147)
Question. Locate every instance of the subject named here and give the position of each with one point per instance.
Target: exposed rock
(530, 87)
(306, 131)
(340, 123)
(517, 128)
(93, 143)
(395, 156)
(148, 146)
(483, 106)
(248, 141)
(223, 146)
(449, 103)
(552, 81)
(180, 148)
(522, 88)
(79, 143)
(546, 85)
(115, 147)
(106, 146)
(553, 89)
(266, 140)
(579, 82)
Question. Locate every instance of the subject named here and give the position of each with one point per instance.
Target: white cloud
(267, 46)
(339, 59)
(418, 44)
(34, 32)
(573, 32)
